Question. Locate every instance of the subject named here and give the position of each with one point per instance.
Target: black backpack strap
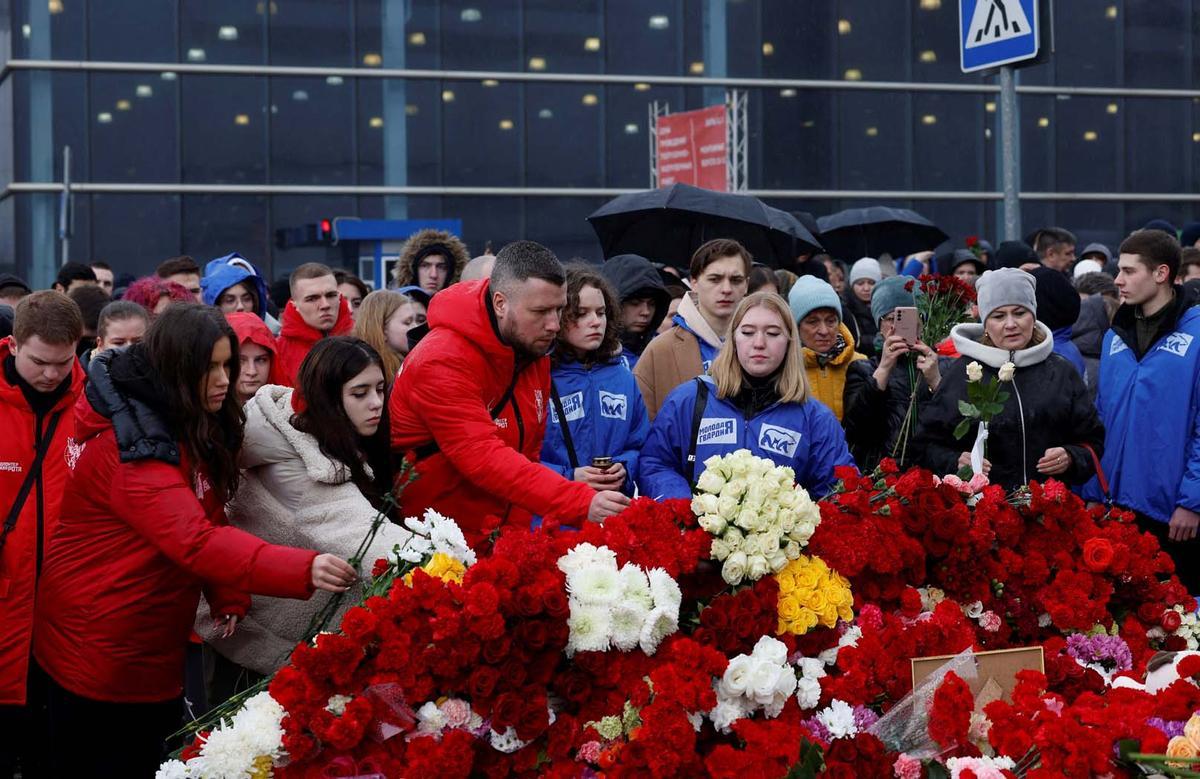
(430, 449)
(562, 424)
(697, 418)
(30, 477)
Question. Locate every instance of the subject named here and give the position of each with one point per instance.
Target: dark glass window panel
(224, 129)
(215, 225)
(133, 233)
(134, 128)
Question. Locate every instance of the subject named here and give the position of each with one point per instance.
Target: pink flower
(907, 767)
(989, 621)
(977, 483)
(955, 482)
(589, 752)
(457, 713)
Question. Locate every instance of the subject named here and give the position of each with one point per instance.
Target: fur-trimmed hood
(428, 242)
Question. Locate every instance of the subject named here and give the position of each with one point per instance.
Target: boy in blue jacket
(1149, 400)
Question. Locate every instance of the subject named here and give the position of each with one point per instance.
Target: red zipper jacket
(474, 421)
(135, 545)
(25, 548)
(297, 337)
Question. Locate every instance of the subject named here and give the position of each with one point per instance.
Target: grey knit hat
(1006, 287)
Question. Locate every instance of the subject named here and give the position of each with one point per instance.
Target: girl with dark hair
(316, 463)
(142, 533)
(598, 420)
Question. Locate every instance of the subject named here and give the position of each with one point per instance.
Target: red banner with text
(691, 149)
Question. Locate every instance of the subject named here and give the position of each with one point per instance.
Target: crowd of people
(189, 457)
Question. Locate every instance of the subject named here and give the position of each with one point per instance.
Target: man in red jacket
(470, 403)
(316, 310)
(40, 380)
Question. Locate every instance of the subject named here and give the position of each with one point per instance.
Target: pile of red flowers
(447, 679)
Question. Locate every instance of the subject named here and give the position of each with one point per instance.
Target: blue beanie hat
(810, 293)
(891, 294)
(1189, 234)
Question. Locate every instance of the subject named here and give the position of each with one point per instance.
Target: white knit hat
(866, 268)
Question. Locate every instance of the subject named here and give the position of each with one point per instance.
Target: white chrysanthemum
(590, 628)
(172, 769)
(665, 590)
(838, 719)
(596, 585)
(447, 538)
(414, 551)
(808, 693)
(771, 650)
(583, 556)
(628, 619)
(635, 587)
(659, 624)
(226, 754)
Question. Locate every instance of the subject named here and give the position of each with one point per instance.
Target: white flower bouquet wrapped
(759, 518)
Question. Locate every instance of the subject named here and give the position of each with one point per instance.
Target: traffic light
(319, 233)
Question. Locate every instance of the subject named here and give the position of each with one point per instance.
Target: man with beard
(470, 403)
(644, 302)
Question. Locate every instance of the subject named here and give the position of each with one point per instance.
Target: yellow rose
(782, 627)
(807, 618)
(1192, 729)
(787, 582)
(817, 601)
(829, 616)
(1181, 746)
(788, 608)
(807, 579)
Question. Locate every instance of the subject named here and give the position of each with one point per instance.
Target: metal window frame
(181, 68)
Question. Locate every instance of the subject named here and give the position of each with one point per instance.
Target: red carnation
(950, 715)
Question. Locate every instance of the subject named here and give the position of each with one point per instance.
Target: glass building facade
(231, 117)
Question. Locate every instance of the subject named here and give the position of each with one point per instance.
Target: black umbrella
(870, 232)
(668, 225)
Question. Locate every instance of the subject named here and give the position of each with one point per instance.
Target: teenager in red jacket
(470, 403)
(316, 310)
(142, 532)
(257, 363)
(39, 381)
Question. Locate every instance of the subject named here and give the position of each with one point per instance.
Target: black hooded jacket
(123, 387)
(634, 276)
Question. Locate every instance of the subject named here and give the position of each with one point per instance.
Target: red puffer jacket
(297, 337)
(474, 421)
(136, 544)
(19, 561)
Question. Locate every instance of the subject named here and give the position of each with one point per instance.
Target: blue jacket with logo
(803, 436)
(1150, 405)
(605, 414)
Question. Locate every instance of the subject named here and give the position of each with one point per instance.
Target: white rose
(734, 569)
(719, 549)
(713, 523)
(711, 481)
(735, 487)
(974, 371)
(763, 681)
(1006, 371)
(792, 550)
(757, 567)
(727, 507)
(747, 519)
(771, 649)
(704, 504)
(736, 679)
(779, 560)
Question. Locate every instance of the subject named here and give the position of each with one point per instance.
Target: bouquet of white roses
(759, 517)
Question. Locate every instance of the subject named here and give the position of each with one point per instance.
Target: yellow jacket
(828, 383)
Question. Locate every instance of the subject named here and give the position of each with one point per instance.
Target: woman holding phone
(875, 416)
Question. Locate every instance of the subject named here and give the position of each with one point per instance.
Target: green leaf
(965, 473)
(962, 428)
(967, 409)
(992, 409)
(1002, 397)
(935, 770)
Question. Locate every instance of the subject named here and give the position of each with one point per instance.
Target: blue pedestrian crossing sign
(996, 32)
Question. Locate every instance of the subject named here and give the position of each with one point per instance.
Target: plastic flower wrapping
(623, 650)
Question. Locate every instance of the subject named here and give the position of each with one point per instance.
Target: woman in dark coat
(1047, 425)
